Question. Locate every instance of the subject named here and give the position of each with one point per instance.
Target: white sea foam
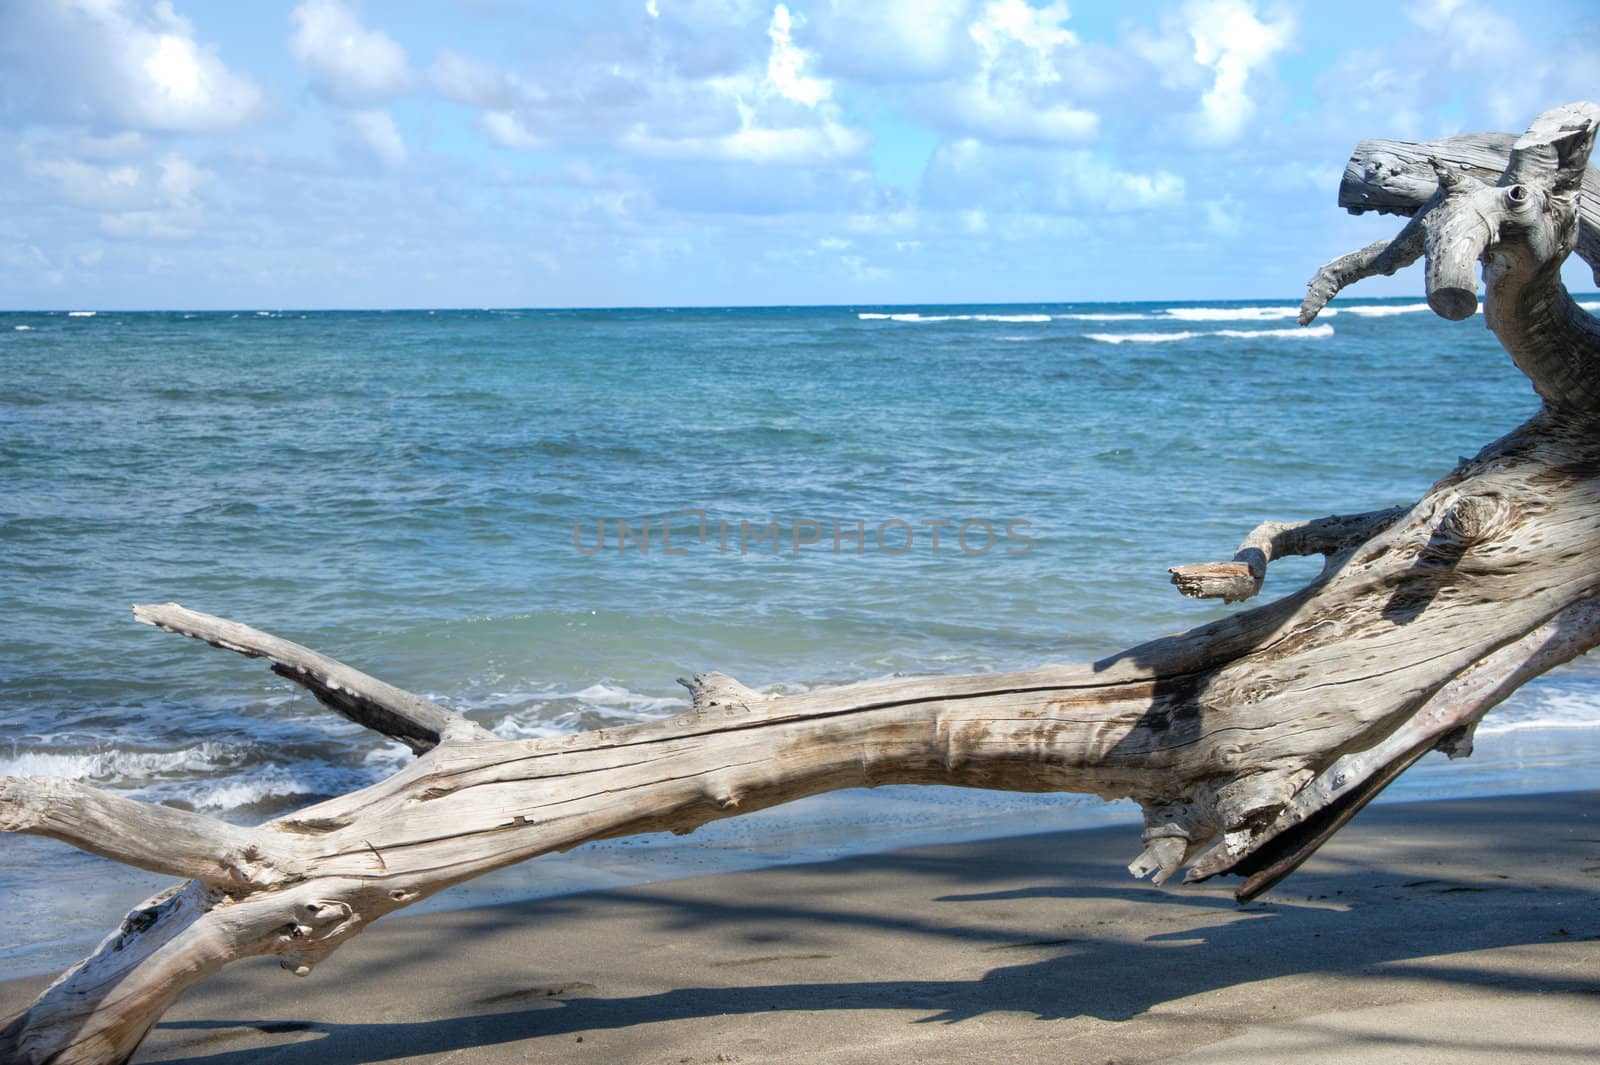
(1104, 317)
(1316, 332)
(1143, 338)
(260, 784)
(876, 316)
(81, 314)
(1589, 305)
(1386, 311)
(1544, 709)
(528, 727)
(114, 767)
(1231, 314)
(547, 712)
(233, 794)
(23, 328)
(614, 697)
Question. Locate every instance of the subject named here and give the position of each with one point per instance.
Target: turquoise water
(421, 494)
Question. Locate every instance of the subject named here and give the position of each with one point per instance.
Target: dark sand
(1461, 931)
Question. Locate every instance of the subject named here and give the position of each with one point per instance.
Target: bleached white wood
(1246, 741)
(417, 722)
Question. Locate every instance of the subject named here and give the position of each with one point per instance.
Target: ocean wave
(1105, 317)
(615, 697)
(876, 316)
(81, 314)
(115, 767)
(1231, 314)
(1589, 305)
(1316, 332)
(545, 712)
(271, 787)
(23, 328)
(1384, 311)
(1544, 709)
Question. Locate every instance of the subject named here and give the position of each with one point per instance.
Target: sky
(203, 154)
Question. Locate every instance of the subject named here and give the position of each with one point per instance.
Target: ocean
(545, 517)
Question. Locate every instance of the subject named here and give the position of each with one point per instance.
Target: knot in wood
(1472, 519)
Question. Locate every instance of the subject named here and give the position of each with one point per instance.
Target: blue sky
(331, 153)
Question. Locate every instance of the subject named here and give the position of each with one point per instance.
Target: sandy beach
(1451, 931)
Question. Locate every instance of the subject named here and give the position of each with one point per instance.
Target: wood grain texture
(1247, 741)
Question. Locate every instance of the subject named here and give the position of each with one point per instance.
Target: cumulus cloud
(773, 108)
(476, 82)
(970, 175)
(1464, 38)
(786, 116)
(505, 130)
(1219, 50)
(1232, 42)
(159, 199)
(795, 146)
(1453, 66)
(376, 133)
(130, 64)
(348, 64)
(1014, 91)
(786, 64)
(892, 41)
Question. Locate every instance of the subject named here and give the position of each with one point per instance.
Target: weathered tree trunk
(1247, 741)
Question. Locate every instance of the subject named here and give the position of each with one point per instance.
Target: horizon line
(258, 310)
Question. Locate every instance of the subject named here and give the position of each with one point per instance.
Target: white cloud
(126, 63)
(796, 146)
(1015, 92)
(1038, 30)
(720, 80)
(98, 188)
(125, 145)
(1233, 43)
(377, 133)
(1224, 217)
(787, 61)
(861, 270)
(474, 82)
(1219, 50)
(180, 179)
(893, 40)
(1454, 66)
(1486, 49)
(145, 225)
(158, 200)
(1473, 30)
(969, 174)
(786, 116)
(506, 130)
(348, 63)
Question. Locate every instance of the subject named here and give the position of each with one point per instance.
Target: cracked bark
(1247, 741)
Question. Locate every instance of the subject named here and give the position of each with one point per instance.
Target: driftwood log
(1247, 741)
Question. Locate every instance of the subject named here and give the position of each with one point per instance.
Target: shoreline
(1460, 930)
(836, 826)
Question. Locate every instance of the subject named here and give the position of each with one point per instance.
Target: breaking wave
(1316, 332)
(1231, 314)
(875, 316)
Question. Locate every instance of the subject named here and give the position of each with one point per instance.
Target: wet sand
(1454, 931)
